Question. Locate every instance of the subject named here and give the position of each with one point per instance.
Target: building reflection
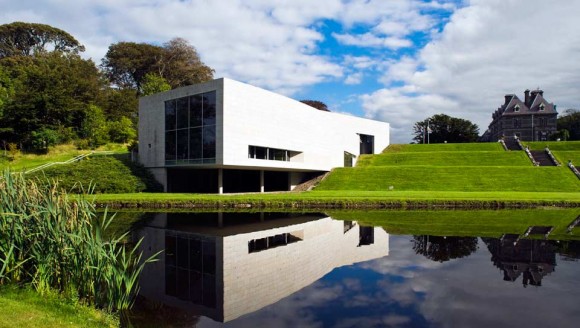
(225, 265)
(530, 258)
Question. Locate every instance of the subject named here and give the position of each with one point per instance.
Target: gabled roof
(538, 101)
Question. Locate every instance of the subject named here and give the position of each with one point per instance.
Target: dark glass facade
(190, 129)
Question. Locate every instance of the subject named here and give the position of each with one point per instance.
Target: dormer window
(517, 108)
(542, 107)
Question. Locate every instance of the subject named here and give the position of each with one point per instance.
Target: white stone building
(225, 265)
(227, 136)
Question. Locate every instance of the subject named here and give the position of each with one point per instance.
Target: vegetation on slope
(108, 174)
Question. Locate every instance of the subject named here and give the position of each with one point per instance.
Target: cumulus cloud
(487, 49)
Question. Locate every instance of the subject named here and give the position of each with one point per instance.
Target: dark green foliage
(569, 121)
(316, 104)
(51, 91)
(27, 39)
(443, 129)
(43, 138)
(126, 64)
(109, 174)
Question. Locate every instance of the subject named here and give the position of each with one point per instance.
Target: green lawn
(553, 145)
(566, 155)
(480, 146)
(26, 308)
(447, 158)
(476, 223)
(453, 178)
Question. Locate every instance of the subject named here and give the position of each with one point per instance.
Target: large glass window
(195, 110)
(190, 131)
(170, 146)
(170, 115)
(209, 103)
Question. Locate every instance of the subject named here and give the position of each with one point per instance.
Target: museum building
(225, 136)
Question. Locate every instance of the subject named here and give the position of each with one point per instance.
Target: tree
(442, 128)
(126, 64)
(6, 89)
(94, 127)
(51, 90)
(27, 39)
(180, 64)
(316, 104)
(154, 83)
(441, 249)
(122, 131)
(570, 121)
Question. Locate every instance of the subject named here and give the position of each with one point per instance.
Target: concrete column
(220, 219)
(220, 181)
(261, 180)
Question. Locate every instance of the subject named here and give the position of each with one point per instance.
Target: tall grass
(54, 242)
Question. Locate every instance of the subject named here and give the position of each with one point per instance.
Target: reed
(57, 243)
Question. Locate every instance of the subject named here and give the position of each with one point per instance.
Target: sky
(398, 61)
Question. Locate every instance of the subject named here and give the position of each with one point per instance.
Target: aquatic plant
(56, 242)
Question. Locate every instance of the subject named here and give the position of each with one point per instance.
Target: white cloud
(355, 78)
(371, 40)
(487, 49)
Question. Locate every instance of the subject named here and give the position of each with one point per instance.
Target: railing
(519, 143)
(503, 144)
(70, 161)
(554, 160)
(574, 169)
(527, 150)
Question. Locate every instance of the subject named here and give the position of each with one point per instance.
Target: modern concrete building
(227, 136)
(225, 265)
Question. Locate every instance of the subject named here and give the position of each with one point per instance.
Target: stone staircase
(542, 158)
(511, 144)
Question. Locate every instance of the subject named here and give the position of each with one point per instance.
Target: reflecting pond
(312, 270)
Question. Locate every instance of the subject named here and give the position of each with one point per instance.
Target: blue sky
(398, 61)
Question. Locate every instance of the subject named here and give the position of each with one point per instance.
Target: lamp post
(428, 131)
(533, 136)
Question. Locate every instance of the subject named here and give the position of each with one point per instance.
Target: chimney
(507, 99)
(527, 97)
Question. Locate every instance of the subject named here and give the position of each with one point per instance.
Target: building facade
(225, 265)
(227, 136)
(533, 119)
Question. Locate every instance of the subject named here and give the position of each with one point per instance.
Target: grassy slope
(477, 167)
(59, 153)
(26, 308)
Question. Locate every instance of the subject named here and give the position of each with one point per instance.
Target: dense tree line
(49, 94)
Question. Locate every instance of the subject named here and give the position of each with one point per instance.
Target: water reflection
(532, 259)
(288, 270)
(441, 249)
(225, 265)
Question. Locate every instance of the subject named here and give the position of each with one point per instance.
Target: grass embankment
(476, 223)
(450, 167)
(22, 307)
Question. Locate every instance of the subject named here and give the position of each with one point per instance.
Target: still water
(310, 270)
